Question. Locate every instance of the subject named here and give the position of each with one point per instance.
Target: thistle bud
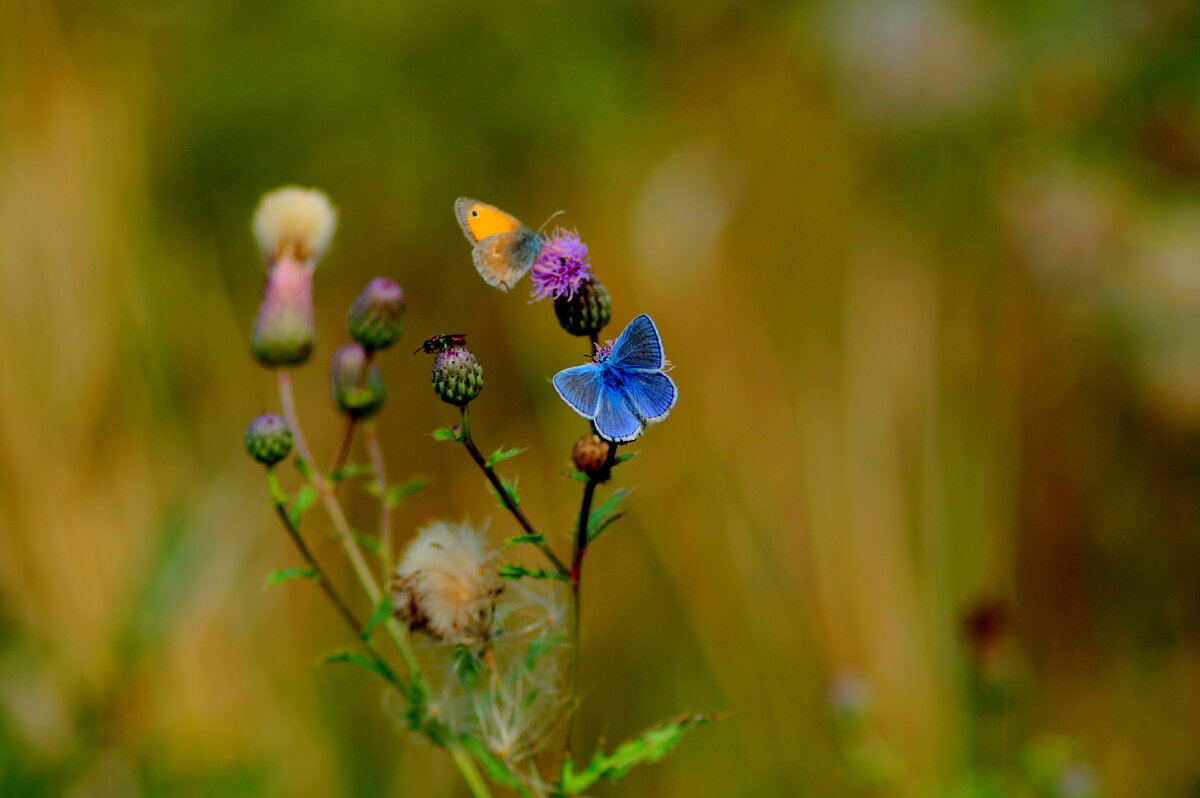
(457, 376)
(377, 318)
(587, 310)
(357, 389)
(590, 457)
(285, 330)
(268, 439)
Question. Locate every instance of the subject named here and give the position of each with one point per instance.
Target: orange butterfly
(504, 248)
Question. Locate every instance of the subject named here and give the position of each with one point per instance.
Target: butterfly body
(626, 388)
(440, 343)
(504, 248)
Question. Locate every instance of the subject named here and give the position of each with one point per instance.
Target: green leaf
(651, 746)
(284, 574)
(467, 666)
(621, 458)
(501, 455)
(516, 540)
(398, 493)
(367, 542)
(360, 660)
(381, 614)
(304, 500)
(606, 513)
(511, 489)
(513, 571)
(538, 648)
(578, 476)
(351, 471)
(447, 434)
(304, 468)
(492, 766)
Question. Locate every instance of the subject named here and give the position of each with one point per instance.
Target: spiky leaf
(511, 570)
(351, 471)
(398, 493)
(492, 766)
(651, 746)
(606, 513)
(360, 660)
(382, 613)
(447, 434)
(304, 500)
(516, 540)
(304, 468)
(285, 574)
(501, 455)
(578, 476)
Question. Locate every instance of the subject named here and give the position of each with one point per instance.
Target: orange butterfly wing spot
(480, 220)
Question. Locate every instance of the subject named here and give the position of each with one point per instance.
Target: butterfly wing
(638, 347)
(651, 394)
(479, 220)
(579, 386)
(615, 420)
(502, 259)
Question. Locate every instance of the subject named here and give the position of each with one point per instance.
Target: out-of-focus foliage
(930, 275)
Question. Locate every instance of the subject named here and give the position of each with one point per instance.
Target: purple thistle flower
(560, 267)
(603, 351)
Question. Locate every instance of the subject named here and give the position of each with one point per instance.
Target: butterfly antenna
(556, 213)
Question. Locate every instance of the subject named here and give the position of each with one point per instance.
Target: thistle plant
(479, 654)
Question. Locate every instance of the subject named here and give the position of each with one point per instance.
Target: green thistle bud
(357, 389)
(268, 439)
(587, 311)
(285, 330)
(377, 318)
(457, 376)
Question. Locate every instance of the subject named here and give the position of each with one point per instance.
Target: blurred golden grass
(884, 415)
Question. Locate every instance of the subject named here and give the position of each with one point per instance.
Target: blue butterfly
(626, 388)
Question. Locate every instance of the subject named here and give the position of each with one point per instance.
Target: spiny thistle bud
(357, 390)
(590, 457)
(446, 584)
(377, 318)
(457, 376)
(587, 311)
(268, 439)
(285, 330)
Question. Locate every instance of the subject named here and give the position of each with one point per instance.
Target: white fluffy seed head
(446, 584)
(301, 220)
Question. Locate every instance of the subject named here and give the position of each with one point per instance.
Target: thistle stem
(464, 763)
(375, 453)
(334, 509)
(502, 491)
(576, 573)
(351, 422)
(278, 499)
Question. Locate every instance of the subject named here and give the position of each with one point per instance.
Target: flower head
(377, 317)
(295, 221)
(446, 584)
(285, 330)
(268, 439)
(603, 351)
(356, 386)
(561, 266)
(457, 376)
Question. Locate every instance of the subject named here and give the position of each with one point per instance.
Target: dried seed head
(446, 584)
(377, 317)
(357, 389)
(268, 439)
(295, 221)
(457, 376)
(590, 457)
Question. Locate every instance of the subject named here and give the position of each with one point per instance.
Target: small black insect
(440, 343)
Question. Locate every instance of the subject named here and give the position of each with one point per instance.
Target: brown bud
(591, 457)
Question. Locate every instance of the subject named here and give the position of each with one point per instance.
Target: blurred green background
(929, 273)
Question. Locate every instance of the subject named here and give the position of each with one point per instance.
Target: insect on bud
(268, 439)
(590, 456)
(587, 310)
(457, 376)
(357, 389)
(377, 317)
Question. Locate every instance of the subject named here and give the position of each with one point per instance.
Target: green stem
(503, 493)
(466, 766)
(375, 452)
(576, 573)
(278, 501)
(334, 509)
